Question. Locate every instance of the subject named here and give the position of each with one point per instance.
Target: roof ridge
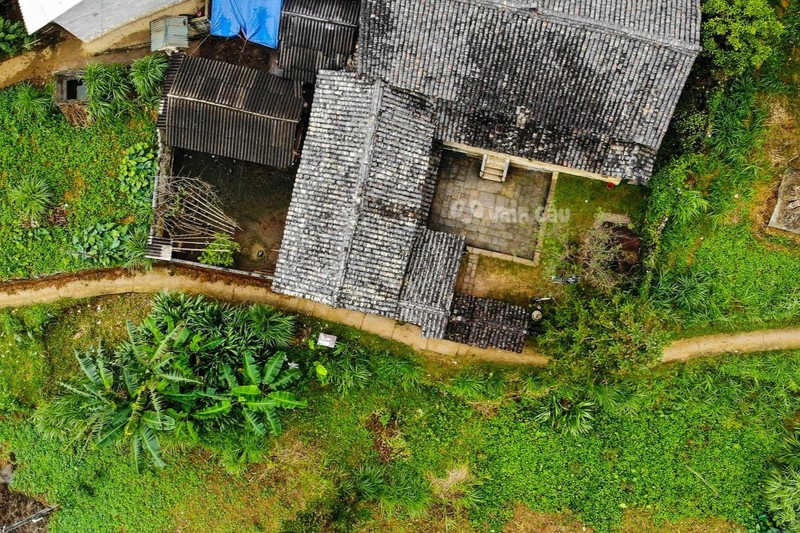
(361, 183)
(226, 106)
(535, 9)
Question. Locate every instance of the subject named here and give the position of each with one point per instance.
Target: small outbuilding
(230, 111)
(169, 34)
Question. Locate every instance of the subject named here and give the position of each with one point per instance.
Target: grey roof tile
(361, 199)
(587, 84)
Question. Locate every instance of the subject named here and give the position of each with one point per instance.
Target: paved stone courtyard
(501, 217)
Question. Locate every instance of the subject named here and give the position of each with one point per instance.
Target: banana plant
(135, 396)
(254, 398)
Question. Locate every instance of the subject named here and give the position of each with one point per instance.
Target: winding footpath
(235, 288)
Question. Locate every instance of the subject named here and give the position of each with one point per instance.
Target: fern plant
(572, 416)
(31, 103)
(108, 90)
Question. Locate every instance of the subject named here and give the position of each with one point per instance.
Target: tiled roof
(587, 84)
(430, 281)
(231, 111)
(488, 323)
(361, 198)
(316, 36)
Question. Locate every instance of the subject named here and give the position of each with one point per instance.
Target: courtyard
(256, 196)
(499, 217)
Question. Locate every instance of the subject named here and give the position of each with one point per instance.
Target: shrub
(605, 334)
(102, 243)
(782, 488)
(108, 90)
(478, 385)
(739, 34)
(147, 76)
(32, 197)
(567, 414)
(134, 248)
(14, 38)
(783, 497)
(31, 103)
(137, 174)
(220, 251)
(689, 293)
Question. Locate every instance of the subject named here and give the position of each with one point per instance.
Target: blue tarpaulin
(256, 20)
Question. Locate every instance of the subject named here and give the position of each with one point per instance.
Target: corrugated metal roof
(231, 111)
(169, 33)
(242, 88)
(316, 36)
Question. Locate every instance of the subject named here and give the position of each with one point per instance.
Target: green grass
(37, 343)
(82, 168)
(586, 197)
(683, 428)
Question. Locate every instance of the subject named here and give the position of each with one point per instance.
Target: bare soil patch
(527, 521)
(640, 521)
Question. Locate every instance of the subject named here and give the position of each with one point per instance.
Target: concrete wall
(91, 19)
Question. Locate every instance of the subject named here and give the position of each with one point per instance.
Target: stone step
(494, 168)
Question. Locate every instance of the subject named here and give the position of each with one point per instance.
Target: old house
(586, 87)
(360, 204)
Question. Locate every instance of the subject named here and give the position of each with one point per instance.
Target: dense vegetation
(73, 198)
(386, 444)
(709, 263)
(14, 38)
(70, 198)
(195, 372)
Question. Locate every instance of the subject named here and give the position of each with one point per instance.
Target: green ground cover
(585, 198)
(397, 442)
(90, 207)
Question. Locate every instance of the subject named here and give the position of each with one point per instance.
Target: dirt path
(745, 342)
(245, 289)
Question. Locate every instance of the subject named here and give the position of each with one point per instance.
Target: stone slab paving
(501, 217)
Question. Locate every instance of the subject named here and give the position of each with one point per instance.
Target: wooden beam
(530, 163)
